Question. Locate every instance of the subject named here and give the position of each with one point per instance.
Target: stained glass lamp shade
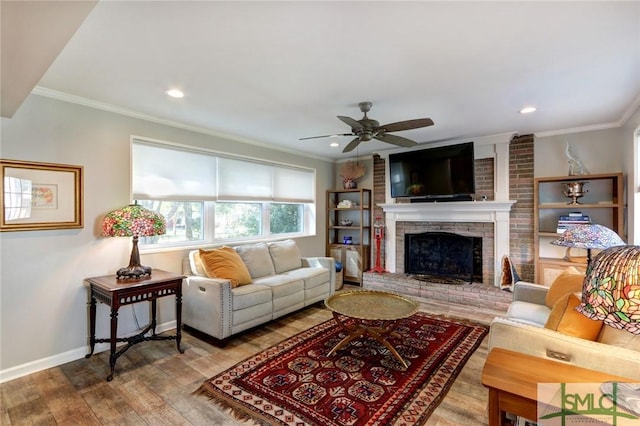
(592, 236)
(133, 221)
(611, 290)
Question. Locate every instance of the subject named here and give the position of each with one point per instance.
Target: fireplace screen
(444, 255)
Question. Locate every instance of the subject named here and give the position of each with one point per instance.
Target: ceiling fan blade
(407, 125)
(326, 136)
(352, 145)
(395, 140)
(350, 122)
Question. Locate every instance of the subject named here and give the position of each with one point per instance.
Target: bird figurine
(575, 166)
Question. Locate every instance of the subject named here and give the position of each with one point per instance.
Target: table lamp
(137, 221)
(591, 236)
(611, 289)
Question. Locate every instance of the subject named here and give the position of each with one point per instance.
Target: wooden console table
(513, 377)
(116, 293)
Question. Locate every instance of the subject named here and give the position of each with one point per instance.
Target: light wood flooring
(154, 383)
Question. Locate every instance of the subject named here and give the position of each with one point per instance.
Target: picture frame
(40, 196)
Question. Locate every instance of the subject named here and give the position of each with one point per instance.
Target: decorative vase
(349, 184)
(575, 190)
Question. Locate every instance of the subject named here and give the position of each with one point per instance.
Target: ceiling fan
(366, 129)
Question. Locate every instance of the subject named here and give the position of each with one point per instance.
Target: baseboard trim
(62, 358)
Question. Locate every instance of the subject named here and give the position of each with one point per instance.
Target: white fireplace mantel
(496, 212)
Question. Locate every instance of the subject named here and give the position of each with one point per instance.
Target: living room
(44, 300)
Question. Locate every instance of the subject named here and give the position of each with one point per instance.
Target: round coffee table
(365, 306)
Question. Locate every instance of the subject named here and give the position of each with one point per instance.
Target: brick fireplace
(486, 219)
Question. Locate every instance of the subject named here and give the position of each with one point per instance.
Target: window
(184, 221)
(286, 218)
(213, 198)
(238, 220)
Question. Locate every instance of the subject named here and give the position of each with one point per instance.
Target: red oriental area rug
(295, 383)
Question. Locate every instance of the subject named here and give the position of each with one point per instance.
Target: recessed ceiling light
(527, 110)
(175, 93)
(334, 144)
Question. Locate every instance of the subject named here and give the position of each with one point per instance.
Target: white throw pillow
(256, 258)
(285, 256)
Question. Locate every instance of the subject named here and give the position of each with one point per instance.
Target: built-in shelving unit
(603, 202)
(349, 205)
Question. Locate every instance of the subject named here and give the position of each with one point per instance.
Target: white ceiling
(273, 72)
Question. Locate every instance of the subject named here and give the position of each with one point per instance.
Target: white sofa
(281, 282)
(615, 352)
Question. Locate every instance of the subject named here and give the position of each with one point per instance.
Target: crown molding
(635, 104)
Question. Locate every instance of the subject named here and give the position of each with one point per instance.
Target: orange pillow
(225, 263)
(569, 281)
(566, 320)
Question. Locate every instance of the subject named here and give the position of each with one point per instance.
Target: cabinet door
(353, 264)
(549, 269)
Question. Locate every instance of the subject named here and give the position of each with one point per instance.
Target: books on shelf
(571, 219)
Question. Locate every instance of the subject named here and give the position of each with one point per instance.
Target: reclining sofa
(281, 281)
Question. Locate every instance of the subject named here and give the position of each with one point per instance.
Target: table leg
(378, 333)
(380, 338)
(495, 417)
(154, 310)
(114, 338)
(179, 317)
(92, 326)
(353, 332)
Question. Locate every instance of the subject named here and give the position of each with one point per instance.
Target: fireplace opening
(443, 255)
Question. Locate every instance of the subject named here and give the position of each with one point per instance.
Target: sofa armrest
(545, 343)
(529, 292)
(207, 305)
(324, 262)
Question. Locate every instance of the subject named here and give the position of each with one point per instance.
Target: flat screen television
(433, 174)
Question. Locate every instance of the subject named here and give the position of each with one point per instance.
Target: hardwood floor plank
(34, 412)
(17, 392)
(108, 403)
(66, 405)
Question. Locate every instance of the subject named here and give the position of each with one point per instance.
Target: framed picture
(40, 196)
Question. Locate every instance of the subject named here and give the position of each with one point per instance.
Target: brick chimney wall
(521, 190)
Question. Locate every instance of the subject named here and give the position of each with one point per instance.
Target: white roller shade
(244, 180)
(168, 172)
(293, 185)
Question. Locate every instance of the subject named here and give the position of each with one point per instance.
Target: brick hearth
(477, 295)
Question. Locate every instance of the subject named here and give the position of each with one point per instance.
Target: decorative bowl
(346, 222)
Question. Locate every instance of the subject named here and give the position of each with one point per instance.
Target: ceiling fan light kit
(367, 129)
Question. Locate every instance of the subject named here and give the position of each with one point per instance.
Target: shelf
(578, 177)
(548, 234)
(347, 227)
(579, 206)
(356, 208)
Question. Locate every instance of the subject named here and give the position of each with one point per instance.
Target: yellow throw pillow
(569, 281)
(566, 320)
(225, 263)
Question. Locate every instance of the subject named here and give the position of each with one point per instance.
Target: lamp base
(133, 272)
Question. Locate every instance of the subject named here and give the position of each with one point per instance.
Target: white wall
(600, 151)
(43, 312)
(630, 131)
